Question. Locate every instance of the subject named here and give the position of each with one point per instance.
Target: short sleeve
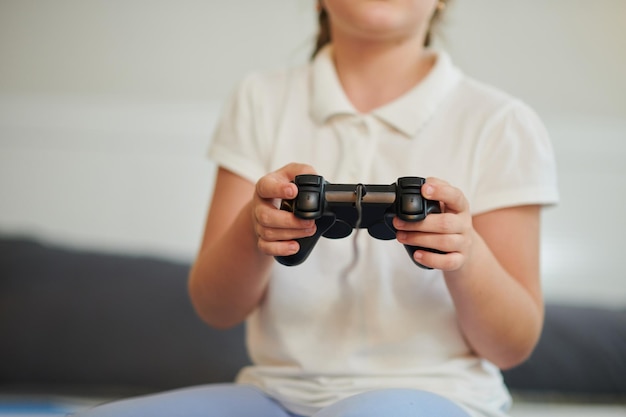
(237, 142)
(515, 163)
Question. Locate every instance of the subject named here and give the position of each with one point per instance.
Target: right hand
(276, 229)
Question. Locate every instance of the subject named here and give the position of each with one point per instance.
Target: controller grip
(308, 243)
(411, 250)
(430, 208)
(306, 246)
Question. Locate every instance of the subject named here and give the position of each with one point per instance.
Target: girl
(387, 338)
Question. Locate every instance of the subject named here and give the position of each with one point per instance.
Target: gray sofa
(87, 324)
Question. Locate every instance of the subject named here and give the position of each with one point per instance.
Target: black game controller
(336, 208)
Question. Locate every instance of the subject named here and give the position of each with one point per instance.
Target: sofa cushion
(95, 321)
(111, 324)
(581, 352)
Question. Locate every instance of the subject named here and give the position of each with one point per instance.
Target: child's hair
(323, 33)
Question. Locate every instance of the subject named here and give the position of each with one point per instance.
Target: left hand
(450, 231)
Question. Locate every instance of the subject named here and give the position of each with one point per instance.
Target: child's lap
(233, 400)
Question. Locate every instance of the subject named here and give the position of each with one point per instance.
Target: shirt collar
(408, 113)
(327, 96)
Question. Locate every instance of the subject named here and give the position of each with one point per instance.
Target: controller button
(309, 180)
(412, 204)
(308, 201)
(410, 182)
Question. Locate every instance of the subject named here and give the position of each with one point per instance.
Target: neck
(374, 74)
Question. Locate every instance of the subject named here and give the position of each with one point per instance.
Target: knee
(394, 402)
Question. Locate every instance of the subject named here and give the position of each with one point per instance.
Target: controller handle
(411, 206)
(307, 243)
(308, 204)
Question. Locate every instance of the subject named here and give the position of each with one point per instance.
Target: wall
(106, 110)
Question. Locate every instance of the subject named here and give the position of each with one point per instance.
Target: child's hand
(450, 231)
(276, 229)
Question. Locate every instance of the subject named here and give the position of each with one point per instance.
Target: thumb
(451, 197)
(279, 185)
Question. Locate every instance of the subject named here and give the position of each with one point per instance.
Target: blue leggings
(231, 400)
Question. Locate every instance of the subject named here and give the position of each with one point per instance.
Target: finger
(267, 215)
(278, 248)
(272, 224)
(443, 261)
(433, 223)
(278, 184)
(441, 242)
(273, 186)
(274, 235)
(453, 198)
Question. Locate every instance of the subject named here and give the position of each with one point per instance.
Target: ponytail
(323, 32)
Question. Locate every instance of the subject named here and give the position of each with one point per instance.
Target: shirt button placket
(368, 148)
(361, 140)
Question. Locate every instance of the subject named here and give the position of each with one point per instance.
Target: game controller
(339, 208)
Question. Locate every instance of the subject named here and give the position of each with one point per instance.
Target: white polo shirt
(319, 336)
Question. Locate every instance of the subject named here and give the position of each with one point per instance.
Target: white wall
(567, 58)
(107, 106)
(106, 110)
